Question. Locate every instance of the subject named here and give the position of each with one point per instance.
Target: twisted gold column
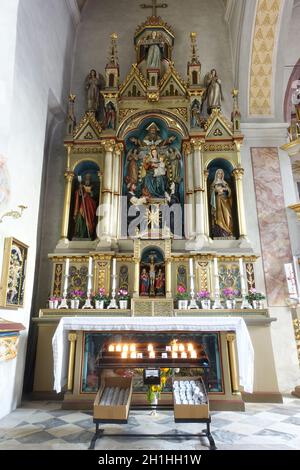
(69, 175)
(72, 337)
(238, 174)
(232, 363)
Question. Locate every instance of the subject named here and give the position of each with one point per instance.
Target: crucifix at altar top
(154, 6)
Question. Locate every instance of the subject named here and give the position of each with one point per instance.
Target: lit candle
(152, 355)
(119, 348)
(140, 355)
(132, 348)
(193, 355)
(183, 355)
(181, 347)
(190, 347)
(164, 355)
(125, 348)
(150, 347)
(67, 274)
(243, 284)
(133, 355)
(174, 355)
(124, 355)
(111, 348)
(168, 348)
(175, 347)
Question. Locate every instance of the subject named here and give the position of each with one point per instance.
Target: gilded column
(136, 287)
(168, 278)
(107, 189)
(198, 189)
(238, 174)
(69, 175)
(206, 208)
(232, 363)
(190, 209)
(72, 337)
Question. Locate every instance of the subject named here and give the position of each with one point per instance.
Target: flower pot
(99, 304)
(123, 304)
(53, 304)
(205, 304)
(183, 304)
(258, 304)
(230, 304)
(75, 304)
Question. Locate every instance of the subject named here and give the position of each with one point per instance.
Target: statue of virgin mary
(221, 206)
(154, 54)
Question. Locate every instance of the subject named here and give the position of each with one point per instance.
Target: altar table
(245, 351)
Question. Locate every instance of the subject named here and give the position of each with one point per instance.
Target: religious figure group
(152, 280)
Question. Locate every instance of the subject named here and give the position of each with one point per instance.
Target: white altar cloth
(245, 349)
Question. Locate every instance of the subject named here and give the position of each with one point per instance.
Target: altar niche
(222, 201)
(84, 202)
(153, 180)
(152, 273)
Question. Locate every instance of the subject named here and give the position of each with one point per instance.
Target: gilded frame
(13, 279)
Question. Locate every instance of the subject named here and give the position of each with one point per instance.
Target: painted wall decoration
(222, 201)
(229, 276)
(153, 167)
(85, 201)
(13, 273)
(123, 278)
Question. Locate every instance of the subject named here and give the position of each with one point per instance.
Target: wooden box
(117, 412)
(191, 412)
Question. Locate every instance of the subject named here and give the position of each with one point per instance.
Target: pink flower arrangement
(123, 294)
(101, 294)
(229, 293)
(55, 299)
(77, 294)
(182, 293)
(203, 294)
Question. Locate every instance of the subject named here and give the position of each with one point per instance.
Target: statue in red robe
(85, 210)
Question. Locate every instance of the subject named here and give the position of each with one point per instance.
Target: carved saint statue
(214, 93)
(154, 53)
(85, 209)
(144, 283)
(95, 100)
(160, 283)
(221, 206)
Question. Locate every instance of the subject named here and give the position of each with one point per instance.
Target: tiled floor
(44, 425)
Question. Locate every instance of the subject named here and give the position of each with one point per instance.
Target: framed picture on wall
(13, 273)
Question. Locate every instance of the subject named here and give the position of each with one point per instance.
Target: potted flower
(182, 298)
(255, 298)
(76, 296)
(230, 295)
(123, 298)
(204, 297)
(154, 391)
(53, 302)
(100, 298)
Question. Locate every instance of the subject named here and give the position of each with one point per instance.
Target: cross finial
(154, 6)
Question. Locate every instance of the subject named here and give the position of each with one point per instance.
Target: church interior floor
(44, 425)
